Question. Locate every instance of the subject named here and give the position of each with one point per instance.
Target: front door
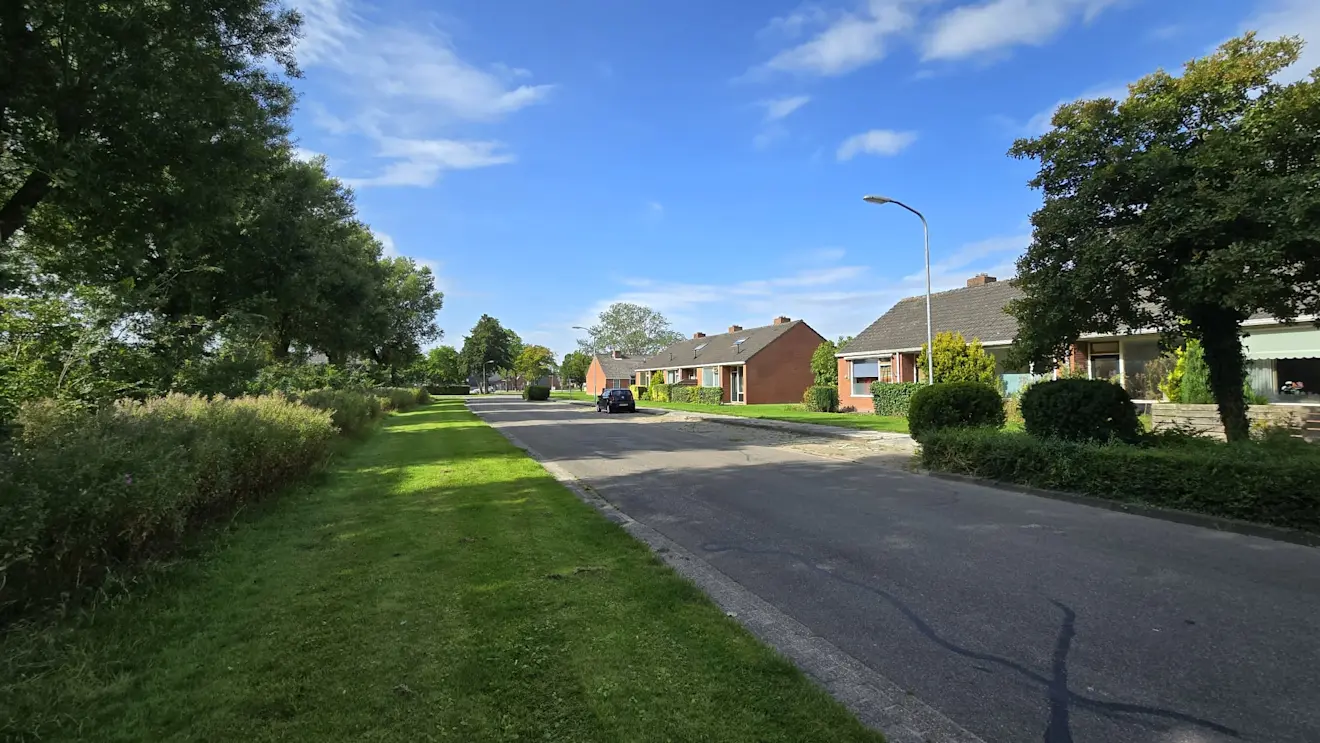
(735, 384)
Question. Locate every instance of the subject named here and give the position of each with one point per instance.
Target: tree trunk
(1222, 340)
(14, 213)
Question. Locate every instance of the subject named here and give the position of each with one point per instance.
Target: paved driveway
(1021, 618)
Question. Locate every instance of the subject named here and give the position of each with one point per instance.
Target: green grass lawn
(437, 585)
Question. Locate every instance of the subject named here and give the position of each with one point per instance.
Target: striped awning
(1298, 342)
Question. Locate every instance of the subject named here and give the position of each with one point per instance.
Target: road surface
(1020, 618)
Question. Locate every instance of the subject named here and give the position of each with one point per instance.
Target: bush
(87, 494)
(954, 405)
(351, 411)
(448, 389)
(659, 392)
(1080, 410)
(693, 394)
(893, 398)
(821, 399)
(1246, 480)
(709, 395)
(536, 392)
(639, 393)
(400, 399)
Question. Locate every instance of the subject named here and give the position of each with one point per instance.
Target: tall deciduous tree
(533, 362)
(574, 367)
(405, 313)
(1187, 207)
(108, 109)
(634, 329)
(487, 346)
(443, 365)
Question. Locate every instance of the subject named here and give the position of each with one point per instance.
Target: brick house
(610, 371)
(769, 364)
(887, 350)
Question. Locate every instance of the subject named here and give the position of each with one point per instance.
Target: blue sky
(709, 158)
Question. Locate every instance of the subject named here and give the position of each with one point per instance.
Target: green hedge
(351, 411)
(893, 398)
(88, 494)
(954, 405)
(536, 392)
(693, 394)
(1080, 410)
(1248, 481)
(401, 399)
(821, 399)
(639, 392)
(448, 389)
(659, 392)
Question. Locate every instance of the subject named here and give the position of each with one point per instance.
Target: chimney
(981, 280)
(735, 328)
(698, 335)
(781, 320)
(617, 354)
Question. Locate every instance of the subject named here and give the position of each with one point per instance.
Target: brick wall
(781, 371)
(595, 377)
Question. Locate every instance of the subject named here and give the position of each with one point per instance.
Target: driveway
(1019, 617)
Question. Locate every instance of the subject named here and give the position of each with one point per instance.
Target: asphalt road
(1021, 618)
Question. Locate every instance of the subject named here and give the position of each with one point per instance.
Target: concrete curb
(1218, 523)
(878, 702)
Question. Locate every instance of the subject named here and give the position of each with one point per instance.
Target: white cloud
(303, 154)
(404, 87)
(655, 210)
(1000, 24)
(882, 142)
(1277, 18)
(849, 41)
(778, 108)
(949, 271)
(1039, 123)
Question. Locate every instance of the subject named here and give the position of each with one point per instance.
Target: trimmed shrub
(536, 392)
(639, 393)
(399, 399)
(1080, 410)
(821, 399)
(1246, 480)
(954, 405)
(893, 398)
(423, 397)
(352, 412)
(682, 393)
(87, 494)
(709, 395)
(448, 389)
(693, 394)
(659, 392)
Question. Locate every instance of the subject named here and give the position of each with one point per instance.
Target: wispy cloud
(847, 41)
(998, 25)
(883, 142)
(403, 88)
(778, 108)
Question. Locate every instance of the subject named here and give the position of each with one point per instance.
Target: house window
(1104, 360)
(709, 376)
(864, 372)
(671, 376)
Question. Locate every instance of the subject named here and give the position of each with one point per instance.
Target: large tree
(404, 320)
(533, 362)
(574, 367)
(487, 346)
(443, 365)
(109, 111)
(633, 329)
(1185, 208)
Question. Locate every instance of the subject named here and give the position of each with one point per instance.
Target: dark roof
(718, 349)
(617, 368)
(974, 311)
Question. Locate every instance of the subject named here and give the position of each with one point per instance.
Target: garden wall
(1205, 418)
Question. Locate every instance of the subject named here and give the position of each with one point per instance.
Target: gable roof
(617, 368)
(718, 349)
(974, 311)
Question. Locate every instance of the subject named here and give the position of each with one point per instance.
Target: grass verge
(438, 585)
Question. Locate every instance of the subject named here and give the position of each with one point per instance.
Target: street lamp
(930, 340)
(485, 376)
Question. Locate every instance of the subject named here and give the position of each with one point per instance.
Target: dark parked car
(612, 401)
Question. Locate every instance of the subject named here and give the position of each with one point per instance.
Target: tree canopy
(633, 329)
(1185, 208)
(488, 345)
(534, 362)
(574, 367)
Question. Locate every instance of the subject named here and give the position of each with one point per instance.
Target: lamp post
(485, 376)
(930, 340)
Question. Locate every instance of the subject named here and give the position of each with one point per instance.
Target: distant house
(887, 350)
(769, 364)
(610, 371)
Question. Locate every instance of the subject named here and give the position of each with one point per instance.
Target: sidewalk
(809, 429)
